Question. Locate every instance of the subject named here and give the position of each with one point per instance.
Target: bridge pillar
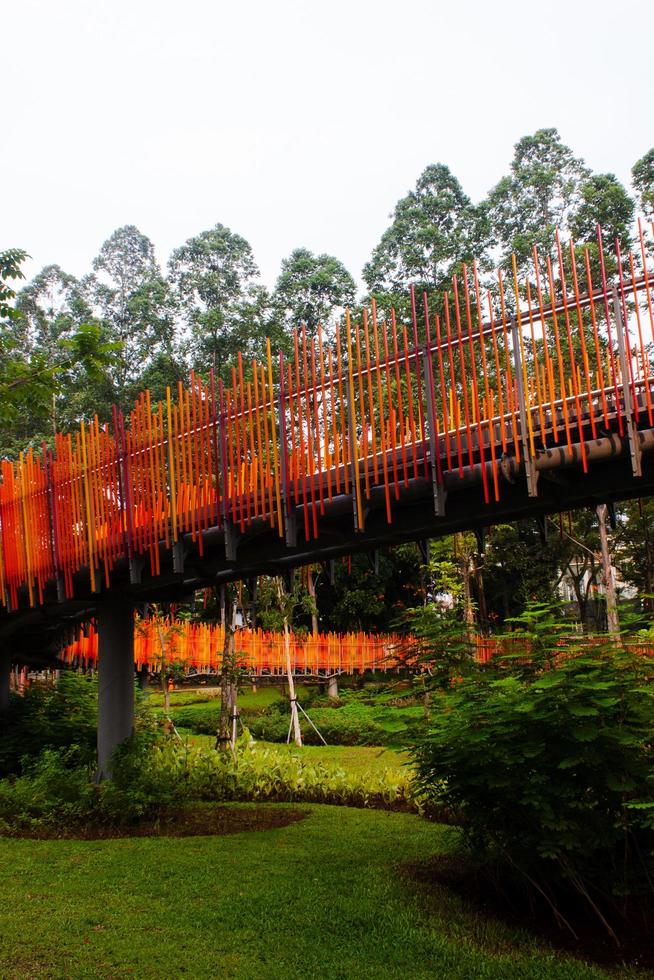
(5, 675)
(332, 687)
(115, 677)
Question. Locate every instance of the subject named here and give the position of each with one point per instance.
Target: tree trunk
(481, 594)
(464, 565)
(223, 739)
(311, 586)
(295, 717)
(162, 675)
(613, 622)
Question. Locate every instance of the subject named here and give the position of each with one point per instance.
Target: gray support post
(115, 677)
(352, 435)
(332, 687)
(5, 674)
(634, 447)
(530, 467)
(434, 447)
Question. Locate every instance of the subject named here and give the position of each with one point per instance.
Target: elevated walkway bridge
(519, 397)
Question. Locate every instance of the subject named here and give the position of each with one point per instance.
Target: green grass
(324, 898)
(247, 700)
(358, 718)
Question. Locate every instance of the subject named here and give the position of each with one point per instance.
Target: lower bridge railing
(198, 648)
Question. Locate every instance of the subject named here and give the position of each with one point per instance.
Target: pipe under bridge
(515, 398)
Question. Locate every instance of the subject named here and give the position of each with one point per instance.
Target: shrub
(50, 716)
(202, 719)
(351, 724)
(551, 772)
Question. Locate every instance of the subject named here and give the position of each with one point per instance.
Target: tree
(10, 271)
(519, 568)
(50, 307)
(605, 200)
(434, 228)
(215, 281)
(540, 195)
(367, 598)
(32, 375)
(642, 174)
(133, 302)
(50, 311)
(635, 547)
(310, 289)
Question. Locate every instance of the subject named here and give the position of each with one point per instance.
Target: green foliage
(310, 290)
(362, 599)
(551, 771)
(152, 775)
(352, 724)
(538, 197)
(134, 304)
(10, 270)
(642, 174)
(605, 200)
(358, 718)
(214, 278)
(520, 568)
(434, 228)
(50, 716)
(443, 645)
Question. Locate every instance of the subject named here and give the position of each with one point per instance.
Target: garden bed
(195, 821)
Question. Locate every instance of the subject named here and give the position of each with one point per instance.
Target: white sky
(294, 123)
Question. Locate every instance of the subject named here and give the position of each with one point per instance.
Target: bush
(50, 716)
(551, 772)
(351, 724)
(201, 719)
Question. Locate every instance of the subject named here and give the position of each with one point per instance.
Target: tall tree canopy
(50, 307)
(133, 302)
(310, 289)
(605, 200)
(540, 195)
(642, 174)
(216, 283)
(434, 228)
(47, 351)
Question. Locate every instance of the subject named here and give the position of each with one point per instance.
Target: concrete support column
(115, 677)
(5, 674)
(332, 687)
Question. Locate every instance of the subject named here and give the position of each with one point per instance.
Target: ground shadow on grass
(504, 900)
(196, 821)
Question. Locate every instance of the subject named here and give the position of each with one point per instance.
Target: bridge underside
(34, 635)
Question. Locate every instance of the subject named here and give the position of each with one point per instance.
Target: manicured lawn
(323, 898)
(247, 699)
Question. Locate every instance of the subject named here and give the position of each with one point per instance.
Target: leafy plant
(152, 775)
(550, 772)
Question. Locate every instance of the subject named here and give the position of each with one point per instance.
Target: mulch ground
(504, 901)
(208, 821)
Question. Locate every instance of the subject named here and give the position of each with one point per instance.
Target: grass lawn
(323, 898)
(247, 699)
